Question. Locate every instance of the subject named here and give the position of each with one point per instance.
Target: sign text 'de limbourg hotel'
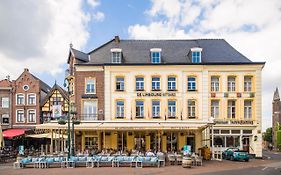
(161, 95)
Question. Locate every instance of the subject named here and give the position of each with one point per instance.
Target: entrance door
(246, 143)
(172, 142)
(140, 141)
(190, 140)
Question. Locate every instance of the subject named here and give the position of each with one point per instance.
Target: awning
(132, 125)
(48, 135)
(11, 133)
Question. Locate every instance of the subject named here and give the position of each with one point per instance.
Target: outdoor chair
(172, 159)
(150, 161)
(161, 160)
(91, 161)
(198, 161)
(55, 161)
(105, 161)
(125, 160)
(81, 162)
(179, 159)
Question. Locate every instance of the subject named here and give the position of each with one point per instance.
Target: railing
(91, 117)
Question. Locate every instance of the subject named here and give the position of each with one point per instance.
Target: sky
(37, 33)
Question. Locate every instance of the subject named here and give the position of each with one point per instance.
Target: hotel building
(164, 94)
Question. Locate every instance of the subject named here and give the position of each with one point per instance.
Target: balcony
(91, 117)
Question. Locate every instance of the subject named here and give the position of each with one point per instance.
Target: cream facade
(161, 95)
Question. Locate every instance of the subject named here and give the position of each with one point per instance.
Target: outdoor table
(138, 164)
(70, 164)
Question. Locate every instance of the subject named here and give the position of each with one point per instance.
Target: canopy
(132, 125)
(11, 133)
(48, 135)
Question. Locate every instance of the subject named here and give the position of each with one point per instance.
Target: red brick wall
(80, 89)
(34, 87)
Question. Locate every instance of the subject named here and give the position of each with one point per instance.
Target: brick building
(28, 92)
(6, 103)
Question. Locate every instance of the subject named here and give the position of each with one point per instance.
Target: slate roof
(215, 51)
(46, 88)
(79, 55)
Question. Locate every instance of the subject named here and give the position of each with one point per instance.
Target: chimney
(117, 39)
(26, 70)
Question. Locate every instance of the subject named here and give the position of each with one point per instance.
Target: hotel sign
(156, 94)
(242, 122)
(235, 122)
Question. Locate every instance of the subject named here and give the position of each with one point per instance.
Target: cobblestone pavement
(208, 167)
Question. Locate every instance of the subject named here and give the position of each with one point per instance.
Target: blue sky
(36, 34)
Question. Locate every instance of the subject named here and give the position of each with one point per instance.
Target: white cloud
(252, 27)
(36, 34)
(93, 3)
(99, 16)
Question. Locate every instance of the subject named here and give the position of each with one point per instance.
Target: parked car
(235, 154)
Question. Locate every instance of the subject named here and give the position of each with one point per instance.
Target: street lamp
(74, 121)
(66, 84)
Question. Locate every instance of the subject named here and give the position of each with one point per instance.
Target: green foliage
(61, 122)
(267, 135)
(279, 138)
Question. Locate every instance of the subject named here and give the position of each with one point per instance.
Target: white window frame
(154, 59)
(121, 84)
(156, 109)
(172, 109)
(120, 109)
(6, 101)
(28, 117)
(139, 84)
(172, 84)
(231, 85)
(116, 55)
(155, 84)
(28, 95)
(231, 109)
(215, 108)
(17, 99)
(5, 116)
(215, 84)
(197, 58)
(191, 108)
(191, 85)
(23, 116)
(248, 83)
(140, 109)
(92, 106)
(92, 83)
(248, 110)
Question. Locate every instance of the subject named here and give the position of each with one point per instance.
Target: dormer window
(116, 55)
(196, 55)
(155, 55)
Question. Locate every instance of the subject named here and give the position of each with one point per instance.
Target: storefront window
(122, 141)
(171, 142)
(155, 142)
(91, 142)
(219, 140)
(139, 142)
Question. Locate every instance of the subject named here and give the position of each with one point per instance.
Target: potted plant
(61, 122)
(186, 162)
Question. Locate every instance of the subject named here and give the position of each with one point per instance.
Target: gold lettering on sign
(156, 94)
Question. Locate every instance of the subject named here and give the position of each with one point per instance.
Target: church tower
(276, 117)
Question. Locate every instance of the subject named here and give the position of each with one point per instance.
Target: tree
(267, 135)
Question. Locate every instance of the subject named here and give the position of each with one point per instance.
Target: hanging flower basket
(76, 122)
(61, 122)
